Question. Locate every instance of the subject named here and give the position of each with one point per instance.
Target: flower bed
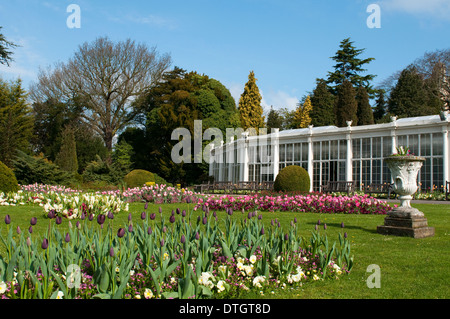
(156, 258)
(317, 203)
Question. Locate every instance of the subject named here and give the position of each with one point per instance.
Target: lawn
(409, 268)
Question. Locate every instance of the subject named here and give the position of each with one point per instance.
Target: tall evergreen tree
(410, 96)
(16, 121)
(302, 118)
(349, 67)
(5, 45)
(250, 109)
(380, 108)
(364, 111)
(274, 120)
(67, 156)
(322, 113)
(346, 105)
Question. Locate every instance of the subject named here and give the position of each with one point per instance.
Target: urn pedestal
(405, 220)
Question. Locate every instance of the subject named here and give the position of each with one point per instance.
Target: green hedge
(8, 181)
(292, 179)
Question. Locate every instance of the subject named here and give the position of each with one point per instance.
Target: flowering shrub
(156, 258)
(318, 203)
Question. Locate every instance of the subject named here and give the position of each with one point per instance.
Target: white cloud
(435, 8)
(277, 99)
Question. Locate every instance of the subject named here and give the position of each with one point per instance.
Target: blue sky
(287, 43)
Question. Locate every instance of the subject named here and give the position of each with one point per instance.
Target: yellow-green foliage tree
(250, 109)
(301, 117)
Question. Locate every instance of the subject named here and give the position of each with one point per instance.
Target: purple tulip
(30, 229)
(295, 220)
(130, 228)
(188, 199)
(172, 219)
(18, 230)
(146, 205)
(149, 230)
(78, 225)
(197, 235)
(160, 210)
(183, 239)
(67, 238)
(7, 219)
(44, 243)
(101, 219)
(249, 215)
(183, 213)
(111, 252)
(83, 216)
(58, 220)
(318, 222)
(143, 215)
(33, 221)
(121, 232)
(152, 216)
(51, 214)
(286, 237)
(110, 215)
(205, 220)
(129, 217)
(262, 231)
(91, 217)
(260, 217)
(345, 235)
(178, 211)
(162, 243)
(342, 225)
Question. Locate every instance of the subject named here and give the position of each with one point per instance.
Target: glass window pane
(325, 150)
(297, 152)
(437, 144)
(425, 145)
(282, 155)
(289, 152)
(356, 145)
(376, 147)
(365, 148)
(304, 151)
(413, 144)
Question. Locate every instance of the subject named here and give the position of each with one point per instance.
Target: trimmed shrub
(138, 177)
(292, 178)
(8, 181)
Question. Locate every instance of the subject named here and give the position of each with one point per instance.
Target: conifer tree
(349, 67)
(274, 120)
(16, 121)
(409, 97)
(250, 109)
(380, 107)
(322, 114)
(302, 118)
(67, 156)
(346, 105)
(364, 111)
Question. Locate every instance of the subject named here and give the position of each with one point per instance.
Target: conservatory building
(330, 153)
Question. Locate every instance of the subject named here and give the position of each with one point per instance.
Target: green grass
(410, 268)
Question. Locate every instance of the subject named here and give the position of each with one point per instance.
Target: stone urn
(405, 220)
